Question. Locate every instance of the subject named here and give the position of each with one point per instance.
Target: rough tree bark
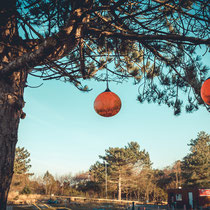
(11, 103)
(11, 99)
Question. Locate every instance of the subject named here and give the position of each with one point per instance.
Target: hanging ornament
(205, 91)
(107, 104)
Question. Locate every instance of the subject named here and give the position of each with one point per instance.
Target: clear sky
(65, 135)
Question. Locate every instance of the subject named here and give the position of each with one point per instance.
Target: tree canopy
(154, 42)
(195, 165)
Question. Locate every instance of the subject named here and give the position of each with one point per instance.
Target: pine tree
(21, 175)
(22, 161)
(122, 164)
(153, 42)
(196, 165)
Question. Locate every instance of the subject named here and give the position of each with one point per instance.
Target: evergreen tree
(122, 165)
(22, 161)
(21, 175)
(98, 174)
(196, 165)
(154, 42)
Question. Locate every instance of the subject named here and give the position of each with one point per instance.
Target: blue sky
(65, 135)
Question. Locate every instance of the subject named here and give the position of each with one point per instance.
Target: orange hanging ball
(205, 91)
(107, 104)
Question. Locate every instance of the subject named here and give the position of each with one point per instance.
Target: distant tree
(26, 190)
(157, 193)
(65, 182)
(163, 179)
(80, 177)
(91, 188)
(97, 175)
(122, 164)
(22, 161)
(146, 184)
(36, 185)
(49, 182)
(80, 180)
(196, 165)
(22, 165)
(177, 173)
(170, 176)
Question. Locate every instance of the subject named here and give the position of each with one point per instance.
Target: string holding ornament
(107, 103)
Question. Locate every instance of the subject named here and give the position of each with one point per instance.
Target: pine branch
(139, 37)
(179, 10)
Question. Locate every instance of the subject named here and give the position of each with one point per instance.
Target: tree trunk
(147, 194)
(177, 180)
(11, 98)
(11, 104)
(119, 187)
(138, 195)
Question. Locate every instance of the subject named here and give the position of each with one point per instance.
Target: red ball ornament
(205, 91)
(107, 104)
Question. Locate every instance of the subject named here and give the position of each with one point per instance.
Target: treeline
(122, 173)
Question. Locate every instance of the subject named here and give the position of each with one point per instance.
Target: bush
(26, 190)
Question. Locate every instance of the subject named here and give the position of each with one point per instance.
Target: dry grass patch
(16, 198)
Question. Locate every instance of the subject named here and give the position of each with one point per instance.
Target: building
(189, 198)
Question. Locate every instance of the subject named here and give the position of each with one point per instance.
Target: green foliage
(122, 166)
(196, 165)
(131, 154)
(74, 192)
(153, 42)
(26, 190)
(22, 161)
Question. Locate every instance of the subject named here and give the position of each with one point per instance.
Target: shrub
(26, 190)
